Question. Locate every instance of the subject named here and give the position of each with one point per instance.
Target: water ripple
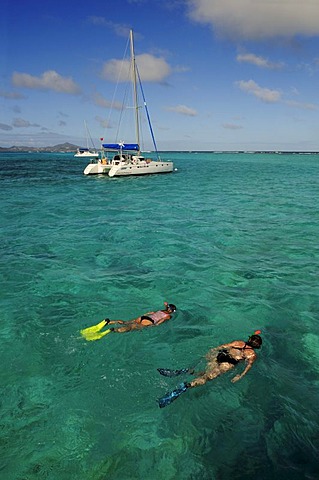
(232, 241)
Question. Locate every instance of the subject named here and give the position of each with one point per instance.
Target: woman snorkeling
(220, 360)
(149, 319)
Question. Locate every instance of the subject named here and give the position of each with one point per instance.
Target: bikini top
(157, 316)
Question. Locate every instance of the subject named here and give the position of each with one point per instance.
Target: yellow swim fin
(93, 333)
(91, 336)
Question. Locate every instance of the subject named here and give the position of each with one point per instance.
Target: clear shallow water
(232, 240)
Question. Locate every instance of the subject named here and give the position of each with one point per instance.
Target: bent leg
(213, 371)
(197, 382)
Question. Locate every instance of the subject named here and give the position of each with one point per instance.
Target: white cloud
(4, 126)
(232, 126)
(183, 110)
(257, 19)
(21, 123)
(303, 106)
(119, 29)
(310, 68)
(272, 96)
(181, 69)
(11, 95)
(258, 61)
(100, 101)
(49, 80)
(151, 69)
(102, 122)
(264, 94)
(99, 21)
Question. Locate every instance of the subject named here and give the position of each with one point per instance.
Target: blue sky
(217, 74)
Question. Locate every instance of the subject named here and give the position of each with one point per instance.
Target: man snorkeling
(148, 319)
(220, 360)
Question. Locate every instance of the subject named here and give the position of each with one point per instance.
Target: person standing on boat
(149, 319)
(219, 360)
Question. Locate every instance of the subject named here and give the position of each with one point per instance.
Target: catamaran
(127, 158)
(87, 152)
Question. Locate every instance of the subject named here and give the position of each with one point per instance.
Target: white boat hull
(128, 169)
(97, 169)
(87, 155)
(141, 169)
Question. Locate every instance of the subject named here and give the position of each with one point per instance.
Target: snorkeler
(219, 361)
(149, 319)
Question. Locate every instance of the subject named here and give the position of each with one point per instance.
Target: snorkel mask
(255, 341)
(171, 307)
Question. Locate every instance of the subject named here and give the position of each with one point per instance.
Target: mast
(137, 126)
(86, 133)
(88, 136)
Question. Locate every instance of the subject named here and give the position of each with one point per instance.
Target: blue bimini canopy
(121, 146)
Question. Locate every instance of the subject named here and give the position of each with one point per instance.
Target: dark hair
(254, 341)
(172, 307)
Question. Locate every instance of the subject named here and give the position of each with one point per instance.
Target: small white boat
(127, 158)
(87, 152)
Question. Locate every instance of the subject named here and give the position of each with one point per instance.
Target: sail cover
(121, 146)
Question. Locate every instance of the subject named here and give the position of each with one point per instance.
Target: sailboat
(127, 158)
(87, 152)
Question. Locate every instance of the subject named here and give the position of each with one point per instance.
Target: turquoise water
(232, 240)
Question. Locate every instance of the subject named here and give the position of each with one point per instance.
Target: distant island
(70, 148)
(62, 147)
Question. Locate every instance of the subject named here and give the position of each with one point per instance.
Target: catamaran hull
(97, 169)
(127, 170)
(153, 167)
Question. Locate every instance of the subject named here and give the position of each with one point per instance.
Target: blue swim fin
(166, 372)
(171, 396)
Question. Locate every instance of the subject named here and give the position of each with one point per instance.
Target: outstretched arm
(163, 320)
(250, 362)
(150, 313)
